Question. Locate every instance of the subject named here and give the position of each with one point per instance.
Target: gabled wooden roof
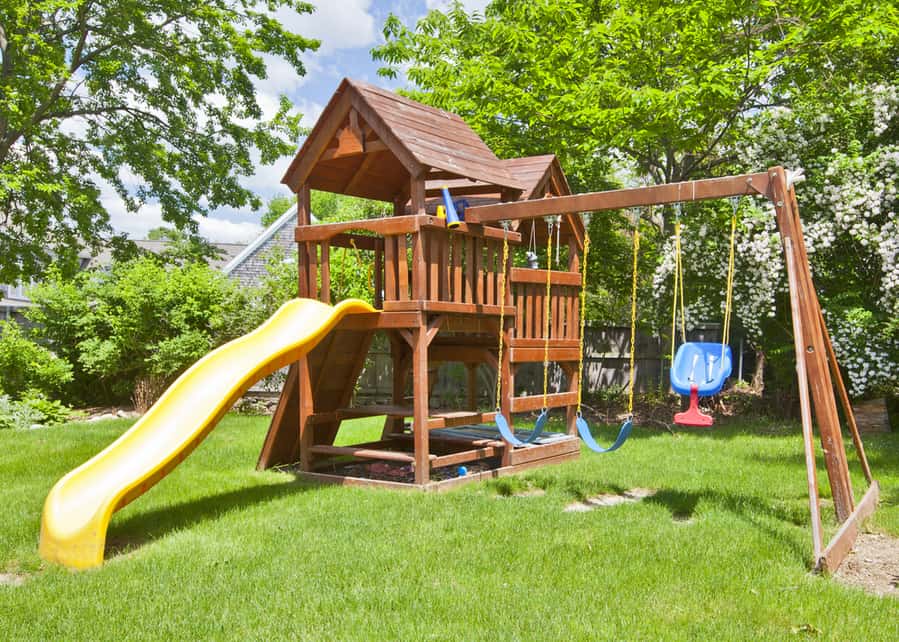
(369, 141)
(539, 175)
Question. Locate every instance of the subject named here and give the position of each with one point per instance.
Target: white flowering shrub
(849, 207)
(850, 213)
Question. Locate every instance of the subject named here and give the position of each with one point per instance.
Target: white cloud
(136, 225)
(347, 24)
(224, 231)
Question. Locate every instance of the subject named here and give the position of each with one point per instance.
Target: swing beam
(811, 338)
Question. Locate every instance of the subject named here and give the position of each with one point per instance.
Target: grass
(220, 551)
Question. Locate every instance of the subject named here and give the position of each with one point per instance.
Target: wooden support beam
(365, 453)
(281, 445)
(421, 403)
(808, 437)
(305, 410)
(535, 402)
(314, 147)
(623, 198)
(357, 177)
(434, 327)
(471, 355)
(303, 218)
(474, 189)
(465, 456)
(533, 355)
(814, 351)
(392, 226)
(538, 277)
(841, 544)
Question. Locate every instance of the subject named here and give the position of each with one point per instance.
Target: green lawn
(218, 550)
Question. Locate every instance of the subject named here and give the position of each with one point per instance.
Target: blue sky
(347, 29)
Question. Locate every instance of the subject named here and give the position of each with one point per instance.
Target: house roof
(227, 250)
(369, 141)
(249, 250)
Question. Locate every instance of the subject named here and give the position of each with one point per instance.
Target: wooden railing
(455, 267)
(416, 259)
(529, 293)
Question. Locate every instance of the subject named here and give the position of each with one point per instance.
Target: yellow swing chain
(502, 316)
(728, 299)
(632, 378)
(678, 288)
(583, 317)
(580, 354)
(546, 310)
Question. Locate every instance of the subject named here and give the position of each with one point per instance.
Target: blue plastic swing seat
(509, 435)
(704, 365)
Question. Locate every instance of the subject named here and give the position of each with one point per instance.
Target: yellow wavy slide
(78, 509)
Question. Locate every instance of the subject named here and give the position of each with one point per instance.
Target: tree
(156, 94)
(661, 87)
(276, 207)
(182, 247)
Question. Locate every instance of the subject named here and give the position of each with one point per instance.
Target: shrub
(17, 415)
(25, 365)
(49, 411)
(140, 321)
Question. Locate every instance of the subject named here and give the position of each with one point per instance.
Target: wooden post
(419, 265)
(326, 272)
(420, 404)
(306, 408)
(379, 279)
(808, 437)
(814, 352)
(303, 218)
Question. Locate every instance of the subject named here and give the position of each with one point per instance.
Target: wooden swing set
(817, 368)
(451, 294)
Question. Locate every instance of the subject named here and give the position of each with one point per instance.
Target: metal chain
(546, 310)
(580, 355)
(630, 385)
(502, 315)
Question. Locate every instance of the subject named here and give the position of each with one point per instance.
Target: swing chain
(546, 309)
(502, 310)
(580, 357)
(633, 351)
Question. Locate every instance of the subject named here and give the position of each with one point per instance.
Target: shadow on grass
(751, 510)
(143, 528)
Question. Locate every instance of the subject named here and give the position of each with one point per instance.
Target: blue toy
(699, 370)
(452, 217)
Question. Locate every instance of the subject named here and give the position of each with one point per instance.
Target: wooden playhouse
(437, 291)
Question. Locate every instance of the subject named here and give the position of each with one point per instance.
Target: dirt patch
(610, 499)
(11, 579)
(531, 492)
(873, 565)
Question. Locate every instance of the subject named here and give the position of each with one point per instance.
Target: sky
(347, 29)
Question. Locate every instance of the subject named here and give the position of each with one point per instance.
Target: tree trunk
(758, 378)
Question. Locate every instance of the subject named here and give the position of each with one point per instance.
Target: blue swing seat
(703, 365)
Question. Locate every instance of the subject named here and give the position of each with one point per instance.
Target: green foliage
(92, 93)
(141, 320)
(337, 208)
(25, 365)
(17, 415)
(50, 411)
(276, 207)
(183, 247)
(659, 85)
